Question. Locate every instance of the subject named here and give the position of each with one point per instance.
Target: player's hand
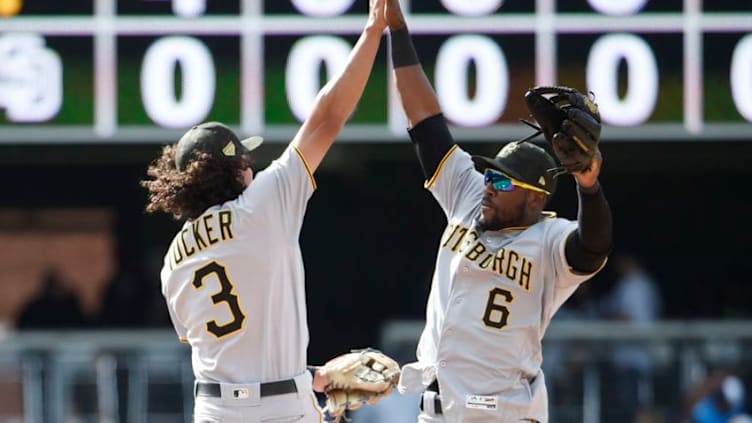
(394, 17)
(320, 381)
(589, 177)
(376, 15)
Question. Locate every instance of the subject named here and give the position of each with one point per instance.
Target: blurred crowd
(130, 299)
(632, 377)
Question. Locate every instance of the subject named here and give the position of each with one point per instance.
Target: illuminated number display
(225, 295)
(144, 71)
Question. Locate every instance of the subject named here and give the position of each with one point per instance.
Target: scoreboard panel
(107, 71)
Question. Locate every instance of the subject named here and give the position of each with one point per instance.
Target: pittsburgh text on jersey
(505, 262)
(204, 232)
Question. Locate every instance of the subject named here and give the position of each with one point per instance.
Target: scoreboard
(142, 71)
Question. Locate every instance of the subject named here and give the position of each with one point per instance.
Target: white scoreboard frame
(469, 26)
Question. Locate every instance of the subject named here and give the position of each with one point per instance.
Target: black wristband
(403, 50)
(591, 190)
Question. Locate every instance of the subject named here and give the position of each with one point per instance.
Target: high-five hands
(394, 17)
(377, 15)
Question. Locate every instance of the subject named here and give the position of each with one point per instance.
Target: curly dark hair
(208, 180)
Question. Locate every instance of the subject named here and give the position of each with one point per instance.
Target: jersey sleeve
(456, 185)
(281, 191)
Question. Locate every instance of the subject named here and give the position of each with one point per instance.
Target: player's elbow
(329, 114)
(581, 258)
(329, 127)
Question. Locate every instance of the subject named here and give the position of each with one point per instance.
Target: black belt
(434, 386)
(268, 389)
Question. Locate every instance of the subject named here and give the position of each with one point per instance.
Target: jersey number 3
(497, 315)
(224, 295)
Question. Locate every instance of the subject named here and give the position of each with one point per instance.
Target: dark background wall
(371, 230)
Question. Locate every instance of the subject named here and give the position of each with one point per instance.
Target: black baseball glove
(570, 122)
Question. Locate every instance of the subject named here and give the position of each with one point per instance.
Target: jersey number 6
(224, 295)
(497, 315)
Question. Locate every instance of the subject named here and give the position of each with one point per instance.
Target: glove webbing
(554, 171)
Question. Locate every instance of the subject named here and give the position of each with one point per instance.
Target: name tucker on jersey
(505, 262)
(205, 231)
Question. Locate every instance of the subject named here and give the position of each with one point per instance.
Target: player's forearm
(337, 99)
(416, 94)
(594, 218)
(428, 129)
(589, 245)
(339, 96)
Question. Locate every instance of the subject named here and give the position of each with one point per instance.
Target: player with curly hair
(233, 275)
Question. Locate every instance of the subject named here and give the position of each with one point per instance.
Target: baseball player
(504, 266)
(233, 275)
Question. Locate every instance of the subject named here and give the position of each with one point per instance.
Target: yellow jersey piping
(307, 168)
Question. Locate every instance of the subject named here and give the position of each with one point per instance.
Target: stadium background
(71, 213)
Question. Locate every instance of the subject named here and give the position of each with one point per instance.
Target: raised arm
(428, 129)
(338, 98)
(588, 246)
(418, 98)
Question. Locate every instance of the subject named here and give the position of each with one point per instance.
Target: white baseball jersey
(233, 280)
(493, 295)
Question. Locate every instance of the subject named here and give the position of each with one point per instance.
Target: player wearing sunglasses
(517, 184)
(504, 265)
